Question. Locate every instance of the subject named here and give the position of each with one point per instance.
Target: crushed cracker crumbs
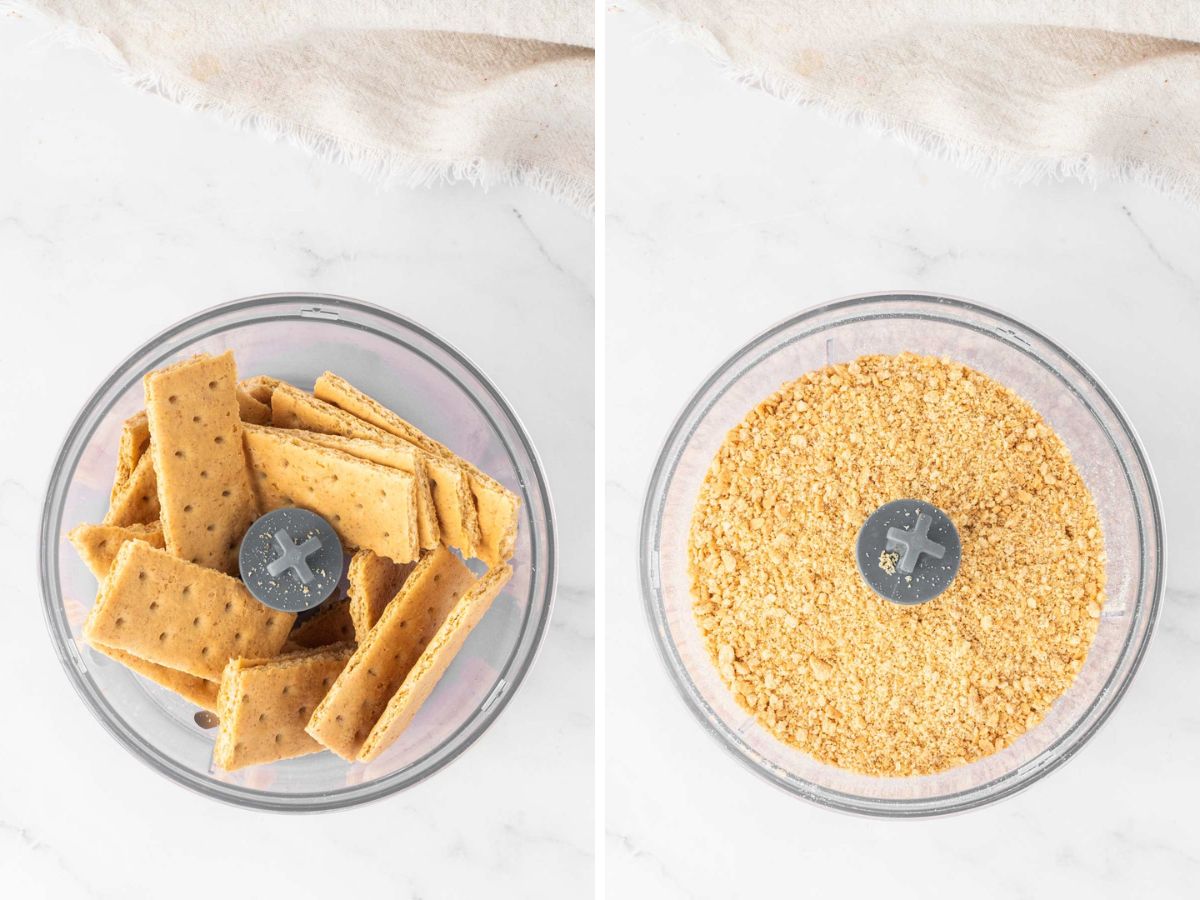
(824, 663)
(888, 560)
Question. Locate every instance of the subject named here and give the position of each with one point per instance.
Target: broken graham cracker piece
(330, 624)
(181, 615)
(338, 391)
(374, 581)
(203, 485)
(137, 501)
(134, 440)
(260, 387)
(367, 504)
(200, 691)
(98, 544)
(294, 408)
(458, 521)
(397, 455)
(264, 705)
(435, 659)
(496, 506)
(360, 695)
(251, 409)
(450, 491)
(498, 509)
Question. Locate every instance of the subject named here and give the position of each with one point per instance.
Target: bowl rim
(311, 306)
(973, 798)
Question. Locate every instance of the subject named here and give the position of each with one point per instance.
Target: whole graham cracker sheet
(181, 615)
(204, 488)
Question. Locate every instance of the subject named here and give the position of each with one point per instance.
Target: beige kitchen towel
(406, 92)
(1010, 87)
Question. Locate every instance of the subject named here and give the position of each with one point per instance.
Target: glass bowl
(296, 337)
(1106, 451)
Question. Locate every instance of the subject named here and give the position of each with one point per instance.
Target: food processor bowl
(296, 337)
(1106, 451)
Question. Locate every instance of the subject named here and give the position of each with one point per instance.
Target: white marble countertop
(728, 211)
(121, 213)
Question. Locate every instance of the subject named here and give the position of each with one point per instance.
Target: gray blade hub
(291, 559)
(908, 551)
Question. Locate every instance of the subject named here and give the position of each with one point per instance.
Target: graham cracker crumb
(888, 560)
(824, 663)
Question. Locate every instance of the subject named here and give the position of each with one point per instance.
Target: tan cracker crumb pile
(822, 662)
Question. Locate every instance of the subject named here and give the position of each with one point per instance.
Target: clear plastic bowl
(1106, 451)
(296, 337)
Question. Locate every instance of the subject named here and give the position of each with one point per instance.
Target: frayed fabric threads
(506, 99)
(1019, 91)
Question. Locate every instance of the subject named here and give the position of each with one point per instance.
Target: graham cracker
(98, 544)
(433, 662)
(374, 581)
(136, 503)
(397, 455)
(135, 433)
(367, 504)
(331, 624)
(496, 506)
(294, 408)
(498, 509)
(200, 691)
(260, 387)
(251, 409)
(181, 615)
(135, 438)
(349, 711)
(204, 488)
(458, 521)
(264, 705)
(450, 491)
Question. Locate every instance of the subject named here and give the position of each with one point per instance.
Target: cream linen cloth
(408, 92)
(1011, 87)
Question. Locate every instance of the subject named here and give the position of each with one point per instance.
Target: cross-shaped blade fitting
(914, 543)
(295, 557)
